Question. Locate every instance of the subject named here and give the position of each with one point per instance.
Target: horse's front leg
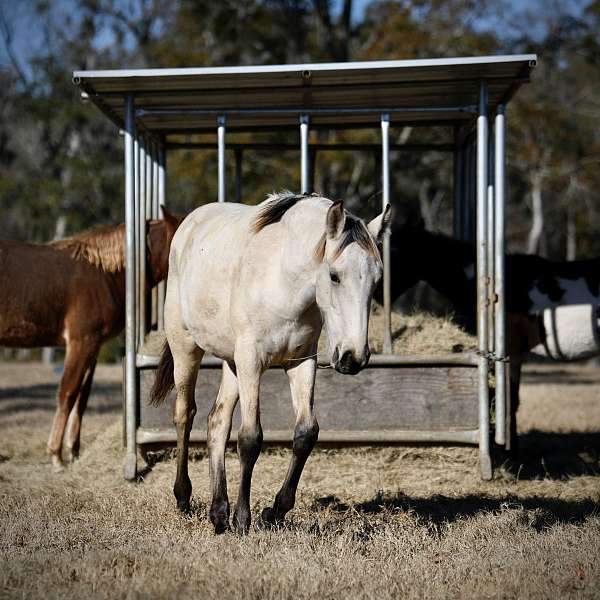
(306, 432)
(250, 434)
(80, 354)
(219, 428)
(73, 436)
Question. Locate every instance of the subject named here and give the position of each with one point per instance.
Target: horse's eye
(334, 277)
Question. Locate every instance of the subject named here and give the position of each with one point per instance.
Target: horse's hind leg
(73, 441)
(186, 360)
(306, 432)
(219, 428)
(77, 360)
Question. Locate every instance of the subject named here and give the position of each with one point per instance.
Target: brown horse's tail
(164, 381)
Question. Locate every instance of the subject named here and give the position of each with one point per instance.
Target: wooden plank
(413, 398)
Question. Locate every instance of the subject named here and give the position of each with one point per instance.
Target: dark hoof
(184, 507)
(219, 517)
(269, 519)
(241, 522)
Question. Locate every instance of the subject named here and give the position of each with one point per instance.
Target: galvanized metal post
(385, 184)
(490, 243)
(482, 283)
(239, 155)
(162, 167)
(502, 412)
(304, 158)
(153, 214)
(130, 464)
(221, 158)
(140, 248)
(136, 199)
(457, 213)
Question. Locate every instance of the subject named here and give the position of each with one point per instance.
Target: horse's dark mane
(354, 229)
(276, 206)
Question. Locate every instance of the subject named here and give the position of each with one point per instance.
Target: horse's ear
(170, 218)
(380, 225)
(336, 220)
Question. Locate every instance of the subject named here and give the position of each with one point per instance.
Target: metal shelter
(468, 95)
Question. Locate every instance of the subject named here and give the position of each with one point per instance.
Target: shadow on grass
(438, 510)
(560, 376)
(28, 398)
(557, 456)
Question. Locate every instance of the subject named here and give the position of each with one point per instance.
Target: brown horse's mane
(103, 247)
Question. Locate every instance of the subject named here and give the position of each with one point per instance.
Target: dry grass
(369, 522)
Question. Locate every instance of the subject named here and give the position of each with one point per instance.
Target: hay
(420, 333)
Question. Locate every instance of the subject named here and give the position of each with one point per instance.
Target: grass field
(393, 522)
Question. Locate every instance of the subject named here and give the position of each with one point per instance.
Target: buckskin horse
(71, 293)
(532, 284)
(253, 286)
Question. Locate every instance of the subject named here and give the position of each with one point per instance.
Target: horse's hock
(420, 396)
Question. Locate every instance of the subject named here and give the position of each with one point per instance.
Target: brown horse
(71, 293)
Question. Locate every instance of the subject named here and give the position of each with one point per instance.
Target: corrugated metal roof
(334, 94)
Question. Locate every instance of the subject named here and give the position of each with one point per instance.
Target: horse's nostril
(347, 358)
(336, 353)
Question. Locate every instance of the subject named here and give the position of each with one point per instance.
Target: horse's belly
(205, 312)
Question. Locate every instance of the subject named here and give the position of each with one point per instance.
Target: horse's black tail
(164, 381)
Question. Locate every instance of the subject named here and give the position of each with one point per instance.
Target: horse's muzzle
(348, 364)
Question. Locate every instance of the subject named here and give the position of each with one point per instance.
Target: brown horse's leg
(77, 360)
(219, 428)
(250, 436)
(72, 440)
(306, 432)
(186, 360)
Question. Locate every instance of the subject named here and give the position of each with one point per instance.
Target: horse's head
(350, 269)
(160, 234)
(409, 248)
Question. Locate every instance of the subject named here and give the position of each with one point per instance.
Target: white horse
(253, 286)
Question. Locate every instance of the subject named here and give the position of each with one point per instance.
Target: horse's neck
(450, 268)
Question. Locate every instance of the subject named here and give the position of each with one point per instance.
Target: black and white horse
(533, 285)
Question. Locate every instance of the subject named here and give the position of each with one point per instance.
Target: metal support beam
(130, 464)
(239, 157)
(499, 275)
(141, 212)
(284, 146)
(221, 157)
(162, 201)
(466, 109)
(482, 283)
(154, 214)
(458, 201)
(304, 159)
(385, 184)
